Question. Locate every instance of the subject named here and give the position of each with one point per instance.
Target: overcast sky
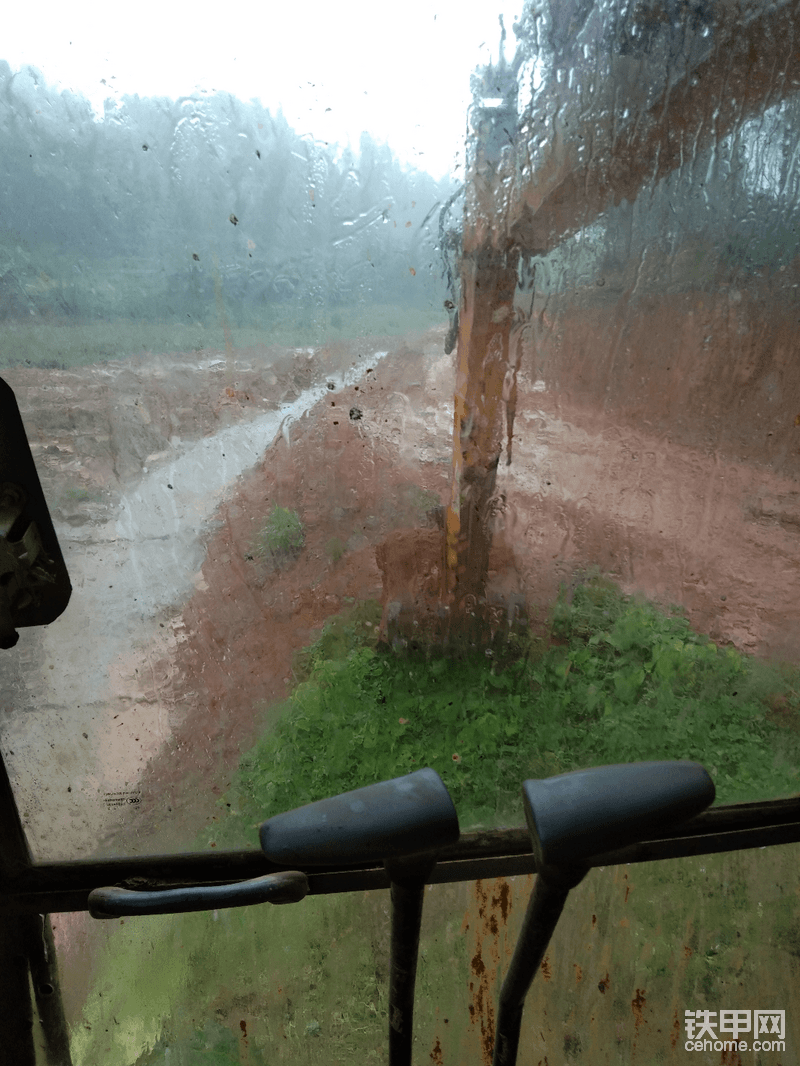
(399, 71)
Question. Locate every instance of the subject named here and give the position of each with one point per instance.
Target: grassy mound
(619, 681)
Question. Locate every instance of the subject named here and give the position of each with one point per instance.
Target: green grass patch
(419, 499)
(354, 627)
(212, 1045)
(66, 344)
(80, 494)
(621, 681)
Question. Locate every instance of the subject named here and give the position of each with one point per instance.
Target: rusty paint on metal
(493, 904)
(676, 1029)
(638, 1003)
(678, 1007)
(626, 886)
(244, 1051)
(436, 1054)
(503, 899)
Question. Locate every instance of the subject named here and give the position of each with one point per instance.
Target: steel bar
(15, 855)
(16, 1032)
(207, 867)
(569, 816)
(288, 887)
(391, 819)
(408, 879)
(41, 952)
(541, 917)
(406, 924)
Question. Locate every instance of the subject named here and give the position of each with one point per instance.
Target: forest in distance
(212, 211)
(175, 210)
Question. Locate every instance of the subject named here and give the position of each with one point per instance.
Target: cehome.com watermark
(705, 1033)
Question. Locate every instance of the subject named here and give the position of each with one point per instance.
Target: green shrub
(422, 500)
(281, 538)
(80, 494)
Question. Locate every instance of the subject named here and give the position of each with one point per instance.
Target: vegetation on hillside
(280, 539)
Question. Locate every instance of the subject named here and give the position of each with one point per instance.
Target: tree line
(166, 208)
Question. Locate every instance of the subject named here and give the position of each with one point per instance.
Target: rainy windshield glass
(425, 404)
(409, 387)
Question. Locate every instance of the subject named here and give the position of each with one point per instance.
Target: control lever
(402, 822)
(571, 818)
